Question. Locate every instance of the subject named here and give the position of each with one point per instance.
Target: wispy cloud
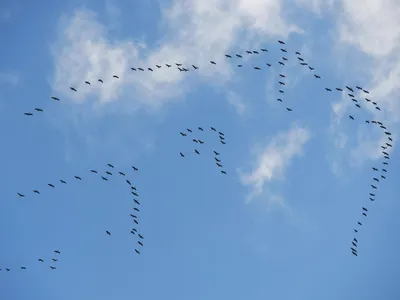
(196, 32)
(9, 78)
(272, 160)
(237, 102)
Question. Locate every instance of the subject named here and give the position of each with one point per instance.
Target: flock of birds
(380, 173)
(105, 176)
(53, 262)
(221, 137)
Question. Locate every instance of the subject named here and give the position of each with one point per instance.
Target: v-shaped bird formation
(199, 142)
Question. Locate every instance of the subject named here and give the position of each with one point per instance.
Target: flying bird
(108, 233)
(72, 89)
(115, 76)
(55, 98)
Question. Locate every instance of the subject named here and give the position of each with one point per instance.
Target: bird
(283, 50)
(375, 169)
(141, 236)
(55, 98)
(282, 63)
(339, 89)
(264, 50)
(288, 109)
(227, 55)
(36, 191)
(281, 42)
(41, 260)
(212, 62)
(128, 182)
(108, 233)
(104, 178)
(134, 194)
(216, 153)
(359, 223)
(195, 150)
(137, 209)
(77, 177)
(57, 251)
(200, 128)
(219, 165)
(281, 83)
(327, 89)
(216, 159)
(53, 259)
(255, 52)
(115, 76)
(72, 89)
(194, 140)
(281, 75)
(364, 214)
(21, 195)
(158, 66)
(316, 76)
(108, 173)
(137, 251)
(183, 134)
(350, 89)
(182, 154)
(87, 82)
(99, 80)
(93, 171)
(223, 172)
(39, 109)
(51, 185)
(269, 65)
(121, 173)
(373, 186)
(137, 202)
(354, 239)
(351, 117)
(299, 58)
(169, 66)
(279, 99)
(257, 68)
(28, 114)
(238, 55)
(63, 182)
(135, 169)
(140, 243)
(133, 216)
(53, 268)
(110, 165)
(194, 67)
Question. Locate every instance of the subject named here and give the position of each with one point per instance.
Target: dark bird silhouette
(133, 69)
(281, 42)
(384, 170)
(257, 68)
(216, 153)
(227, 55)
(355, 240)
(72, 89)
(53, 268)
(39, 109)
(77, 177)
(264, 50)
(329, 90)
(281, 75)
(386, 157)
(216, 159)
(288, 109)
(355, 230)
(387, 133)
(282, 92)
(135, 169)
(137, 209)
(141, 236)
(311, 68)
(169, 66)
(36, 191)
(136, 222)
(282, 63)
(383, 177)
(249, 52)
(354, 244)
(238, 55)
(183, 134)
(385, 153)
(223, 172)
(21, 195)
(133, 216)
(137, 251)
(99, 80)
(194, 67)
(339, 89)
(351, 95)
(299, 58)
(108, 233)
(41, 260)
(201, 142)
(194, 140)
(110, 165)
(196, 151)
(93, 171)
(63, 182)
(55, 98)
(137, 202)
(255, 52)
(141, 69)
(359, 88)
(135, 194)
(51, 185)
(375, 169)
(182, 154)
(121, 173)
(305, 64)
(364, 214)
(115, 76)
(279, 99)
(200, 128)
(373, 186)
(283, 50)
(212, 62)
(284, 58)
(140, 243)
(213, 129)
(281, 83)
(53, 259)
(57, 252)
(371, 194)
(87, 82)
(28, 114)
(365, 91)
(359, 223)
(269, 65)
(108, 173)
(350, 89)
(128, 182)
(351, 117)
(158, 66)
(316, 76)
(104, 178)
(354, 253)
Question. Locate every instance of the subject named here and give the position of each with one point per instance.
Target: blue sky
(278, 225)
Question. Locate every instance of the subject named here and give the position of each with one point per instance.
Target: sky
(278, 225)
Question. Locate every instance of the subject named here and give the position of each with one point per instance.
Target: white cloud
(371, 28)
(196, 32)
(237, 102)
(272, 160)
(316, 6)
